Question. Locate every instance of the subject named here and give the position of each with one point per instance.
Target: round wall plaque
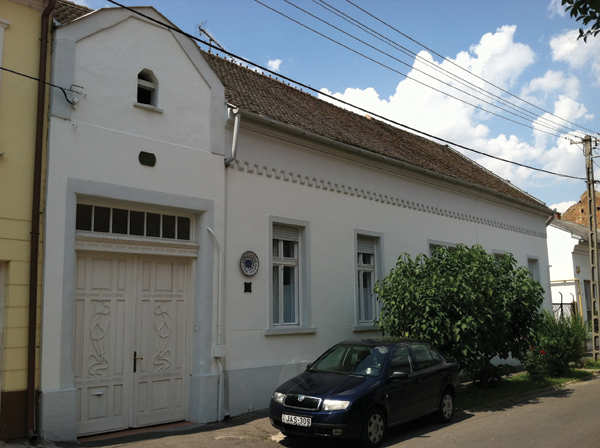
(249, 263)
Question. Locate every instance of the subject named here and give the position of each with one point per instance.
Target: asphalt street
(551, 418)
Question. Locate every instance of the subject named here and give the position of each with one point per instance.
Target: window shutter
(365, 245)
(285, 233)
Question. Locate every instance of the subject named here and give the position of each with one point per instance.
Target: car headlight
(278, 397)
(335, 405)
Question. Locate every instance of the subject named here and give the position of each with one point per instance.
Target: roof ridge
(76, 5)
(493, 174)
(258, 71)
(67, 11)
(277, 100)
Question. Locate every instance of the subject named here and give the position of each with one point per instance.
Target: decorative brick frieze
(382, 198)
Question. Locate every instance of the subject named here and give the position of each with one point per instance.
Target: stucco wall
(338, 195)
(18, 108)
(569, 267)
(94, 149)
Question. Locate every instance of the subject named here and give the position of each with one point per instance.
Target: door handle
(135, 358)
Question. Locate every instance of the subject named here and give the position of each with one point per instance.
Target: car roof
(378, 341)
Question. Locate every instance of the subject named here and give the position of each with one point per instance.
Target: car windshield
(352, 359)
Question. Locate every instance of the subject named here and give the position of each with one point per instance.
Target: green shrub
(536, 365)
(562, 340)
(471, 304)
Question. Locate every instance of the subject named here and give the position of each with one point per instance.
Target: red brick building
(577, 213)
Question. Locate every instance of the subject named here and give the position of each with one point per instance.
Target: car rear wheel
(374, 428)
(446, 410)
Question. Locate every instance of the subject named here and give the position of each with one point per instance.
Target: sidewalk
(249, 430)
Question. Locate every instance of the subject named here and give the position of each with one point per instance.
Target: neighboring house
(180, 287)
(24, 51)
(570, 275)
(578, 214)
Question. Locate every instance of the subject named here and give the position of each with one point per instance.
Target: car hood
(320, 384)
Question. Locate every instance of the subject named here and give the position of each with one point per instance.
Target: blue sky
(528, 48)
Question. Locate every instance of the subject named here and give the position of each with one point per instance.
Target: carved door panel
(129, 307)
(159, 382)
(102, 337)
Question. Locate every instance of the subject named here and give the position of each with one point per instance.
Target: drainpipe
(35, 222)
(217, 353)
(551, 218)
(236, 130)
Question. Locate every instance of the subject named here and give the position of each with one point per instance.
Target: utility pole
(592, 226)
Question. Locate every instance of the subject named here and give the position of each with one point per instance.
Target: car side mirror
(308, 366)
(397, 375)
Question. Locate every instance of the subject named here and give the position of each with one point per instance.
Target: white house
(570, 275)
(210, 230)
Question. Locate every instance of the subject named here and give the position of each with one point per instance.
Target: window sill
(148, 107)
(275, 331)
(365, 327)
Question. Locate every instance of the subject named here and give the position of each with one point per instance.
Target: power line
(440, 69)
(409, 77)
(464, 69)
(318, 92)
(64, 90)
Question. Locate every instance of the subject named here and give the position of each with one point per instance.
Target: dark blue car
(361, 387)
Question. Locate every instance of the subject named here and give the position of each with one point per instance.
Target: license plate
(296, 420)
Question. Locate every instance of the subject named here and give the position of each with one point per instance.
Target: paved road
(552, 419)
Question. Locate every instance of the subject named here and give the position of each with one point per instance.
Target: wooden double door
(130, 341)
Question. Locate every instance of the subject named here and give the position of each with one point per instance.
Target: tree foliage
(471, 304)
(586, 11)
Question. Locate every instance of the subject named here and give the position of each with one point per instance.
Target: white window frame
(279, 264)
(365, 267)
(150, 86)
(498, 253)
(434, 244)
(534, 262)
(302, 322)
(363, 324)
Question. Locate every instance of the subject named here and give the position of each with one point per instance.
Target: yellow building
(20, 43)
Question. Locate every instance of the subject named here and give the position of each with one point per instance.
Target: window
(94, 218)
(498, 254)
(425, 357)
(534, 271)
(401, 361)
(285, 275)
(147, 88)
(433, 245)
(366, 278)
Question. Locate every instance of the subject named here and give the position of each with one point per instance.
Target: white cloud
(556, 8)
(551, 82)
(499, 59)
(502, 61)
(578, 54)
(274, 64)
(562, 207)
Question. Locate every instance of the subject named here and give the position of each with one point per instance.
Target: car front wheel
(446, 410)
(373, 429)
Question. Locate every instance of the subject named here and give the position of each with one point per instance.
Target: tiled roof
(260, 94)
(66, 11)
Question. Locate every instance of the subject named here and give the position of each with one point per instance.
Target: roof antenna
(211, 38)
